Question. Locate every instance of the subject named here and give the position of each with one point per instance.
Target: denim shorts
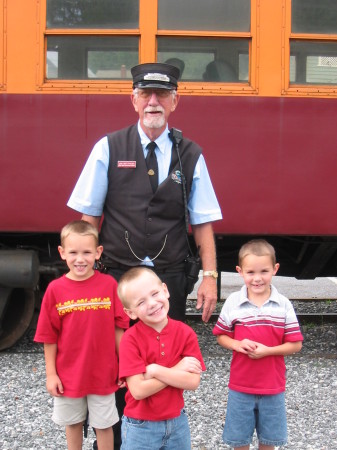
(246, 412)
(170, 434)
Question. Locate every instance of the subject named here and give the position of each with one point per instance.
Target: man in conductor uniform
(142, 226)
(133, 178)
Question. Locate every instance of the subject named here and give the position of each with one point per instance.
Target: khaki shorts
(102, 410)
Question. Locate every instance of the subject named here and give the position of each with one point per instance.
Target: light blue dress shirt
(89, 194)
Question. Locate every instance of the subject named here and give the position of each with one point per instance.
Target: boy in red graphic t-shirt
(81, 324)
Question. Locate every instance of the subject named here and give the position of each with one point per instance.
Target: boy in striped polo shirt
(260, 326)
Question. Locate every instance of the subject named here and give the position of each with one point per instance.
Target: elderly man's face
(154, 107)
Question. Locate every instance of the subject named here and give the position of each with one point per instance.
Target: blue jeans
(169, 434)
(246, 412)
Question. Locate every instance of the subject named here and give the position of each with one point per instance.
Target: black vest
(153, 223)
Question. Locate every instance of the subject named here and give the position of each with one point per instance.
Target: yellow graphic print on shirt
(82, 305)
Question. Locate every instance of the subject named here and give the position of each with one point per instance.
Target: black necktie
(152, 165)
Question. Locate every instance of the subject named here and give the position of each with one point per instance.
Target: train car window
(214, 43)
(93, 14)
(313, 62)
(312, 16)
(215, 60)
(313, 43)
(91, 57)
(223, 58)
(220, 15)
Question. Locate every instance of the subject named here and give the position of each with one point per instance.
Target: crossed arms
(184, 375)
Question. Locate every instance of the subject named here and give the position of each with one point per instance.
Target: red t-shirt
(141, 345)
(80, 317)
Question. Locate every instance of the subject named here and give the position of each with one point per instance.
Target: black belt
(110, 264)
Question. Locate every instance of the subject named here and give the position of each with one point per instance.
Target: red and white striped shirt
(272, 324)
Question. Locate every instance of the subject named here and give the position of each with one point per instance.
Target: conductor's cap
(155, 76)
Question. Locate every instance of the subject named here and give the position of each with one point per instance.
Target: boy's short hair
(128, 277)
(81, 227)
(257, 247)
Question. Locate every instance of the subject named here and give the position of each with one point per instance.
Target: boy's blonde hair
(81, 227)
(257, 247)
(130, 276)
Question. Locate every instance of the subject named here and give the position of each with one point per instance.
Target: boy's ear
(99, 252)
(130, 313)
(238, 269)
(276, 268)
(165, 288)
(61, 252)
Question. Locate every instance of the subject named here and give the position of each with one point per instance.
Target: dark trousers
(176, 285)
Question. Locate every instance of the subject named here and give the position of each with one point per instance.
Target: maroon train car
(268, 136)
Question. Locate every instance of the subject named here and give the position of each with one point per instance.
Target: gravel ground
(25, 406)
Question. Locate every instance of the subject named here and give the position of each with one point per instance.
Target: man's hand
(207, 297)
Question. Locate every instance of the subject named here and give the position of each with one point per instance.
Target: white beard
(154, 122)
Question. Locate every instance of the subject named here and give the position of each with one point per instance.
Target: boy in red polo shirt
(159, 359)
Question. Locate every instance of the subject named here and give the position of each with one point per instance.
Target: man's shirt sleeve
(203, 205)
(89, 194)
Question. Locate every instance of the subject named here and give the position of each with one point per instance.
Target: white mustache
(150, 109)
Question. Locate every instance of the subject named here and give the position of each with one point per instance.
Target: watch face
(211, 273)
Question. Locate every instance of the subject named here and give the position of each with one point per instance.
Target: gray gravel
(25, 406)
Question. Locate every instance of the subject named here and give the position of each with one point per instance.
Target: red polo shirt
(141, 345)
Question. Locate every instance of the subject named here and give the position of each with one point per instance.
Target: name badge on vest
(126, 164)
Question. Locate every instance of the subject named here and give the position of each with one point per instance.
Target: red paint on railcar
(272, 160)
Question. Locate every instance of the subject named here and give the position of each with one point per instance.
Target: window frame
(301, 89)
(148, 34)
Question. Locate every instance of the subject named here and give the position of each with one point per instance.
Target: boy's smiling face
(80, 253)
(257, 272)
(148, 301)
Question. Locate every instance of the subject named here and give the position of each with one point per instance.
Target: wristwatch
(210, 273)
